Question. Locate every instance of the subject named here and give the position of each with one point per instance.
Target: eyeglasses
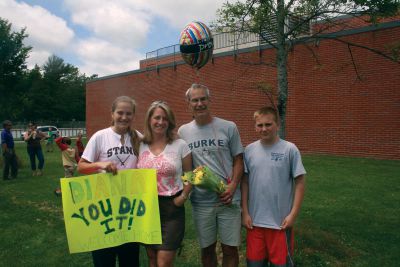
(201, 99)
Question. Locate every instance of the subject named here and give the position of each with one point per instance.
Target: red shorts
(274, 246)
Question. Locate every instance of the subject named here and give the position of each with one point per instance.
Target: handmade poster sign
(105, 210)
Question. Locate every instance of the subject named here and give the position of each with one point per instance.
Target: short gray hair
(188, 93)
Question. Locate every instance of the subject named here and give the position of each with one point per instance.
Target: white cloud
(45, 30)
(180, 12)
(104, 58)
(122, 23)
(114, 31)
(38, 57)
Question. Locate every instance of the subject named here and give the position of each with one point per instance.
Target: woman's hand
(179, 201)
(108, 166)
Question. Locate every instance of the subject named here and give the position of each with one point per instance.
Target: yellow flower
(199, 168)
(198, 177)
(221, 187)
(185, 178)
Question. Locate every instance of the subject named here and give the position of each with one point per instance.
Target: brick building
(336, 105)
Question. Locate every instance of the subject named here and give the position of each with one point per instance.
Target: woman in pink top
(162, 150)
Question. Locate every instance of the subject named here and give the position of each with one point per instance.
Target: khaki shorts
(222, 220)
(69, 171)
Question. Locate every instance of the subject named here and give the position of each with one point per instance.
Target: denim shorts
(221, 220)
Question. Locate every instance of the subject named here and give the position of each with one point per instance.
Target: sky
(103, 37)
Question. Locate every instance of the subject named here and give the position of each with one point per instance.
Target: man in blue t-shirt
(7, 148)
(272, 193)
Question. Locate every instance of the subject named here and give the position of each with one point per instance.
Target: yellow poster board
(105, 210)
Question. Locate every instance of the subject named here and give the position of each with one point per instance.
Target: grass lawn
(350, 216)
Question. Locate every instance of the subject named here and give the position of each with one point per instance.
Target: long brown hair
(135, 139)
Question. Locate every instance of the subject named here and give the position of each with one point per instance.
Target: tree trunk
(281, 58)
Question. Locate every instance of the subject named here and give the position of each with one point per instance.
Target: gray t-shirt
(214, 145)
(271, 171)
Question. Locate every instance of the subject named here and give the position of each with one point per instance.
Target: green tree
(13, 55)
(64, 89)
(32, 81)
(280, 22)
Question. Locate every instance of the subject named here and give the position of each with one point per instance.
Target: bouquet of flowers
(203, 177)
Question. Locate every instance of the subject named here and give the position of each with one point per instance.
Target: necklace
(123, 162)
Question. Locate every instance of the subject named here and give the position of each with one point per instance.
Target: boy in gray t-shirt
(272, 193)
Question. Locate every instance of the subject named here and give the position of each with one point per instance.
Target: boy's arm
(60, 144)
(244, 187)
(298, 199)
(77, 157)
(79, 142)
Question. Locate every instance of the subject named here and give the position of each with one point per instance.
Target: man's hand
(227, 196)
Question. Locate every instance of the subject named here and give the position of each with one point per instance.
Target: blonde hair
(148, 136)
(135, 139)
(267, 110)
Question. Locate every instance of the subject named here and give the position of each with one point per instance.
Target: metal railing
(233, 41)
(223, 42)
(70, 132)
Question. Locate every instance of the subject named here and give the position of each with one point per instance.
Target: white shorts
(223, 220)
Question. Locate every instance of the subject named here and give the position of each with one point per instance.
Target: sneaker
(39, 173)
(34, 173)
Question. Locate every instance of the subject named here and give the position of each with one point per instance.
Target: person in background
(79, 145)
(103, 153)
(272, 193)
(33, 137)
(50, 140)
(170, 156)
(215, 142)
(8, 150)
(69, 158)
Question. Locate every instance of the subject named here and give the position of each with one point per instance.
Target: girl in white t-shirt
(161, 150)
(110, 150)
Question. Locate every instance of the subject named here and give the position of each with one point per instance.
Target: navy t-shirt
(7, 138)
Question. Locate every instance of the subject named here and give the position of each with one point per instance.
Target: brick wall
(329, 109)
